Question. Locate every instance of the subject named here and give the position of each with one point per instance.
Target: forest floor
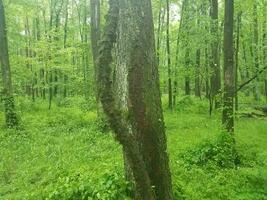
(62, 154)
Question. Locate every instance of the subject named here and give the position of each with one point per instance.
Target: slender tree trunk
(198, 59)
(187, 78)
(228, 95)
(237, 57)
(187, 60)
(95, 33)
(175, 84)
(50, 74)
(215, 61)
(169, 56)
(255, 49)
(27, 54)
(43, 82)
(65, 76)
(159, 31)
(207, 85)
(55, 82)
(9, 104)
(247, 75)
(197, 74)
(265, 44)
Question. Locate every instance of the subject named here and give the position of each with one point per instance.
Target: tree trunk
(215, 61)
(175, 89)
(144, 143)
(247, 75)
(255, 49)
(228, 95)
(187, 78)
(50, 74)
(115, 116)
(159, 31)
(9, 104)
(95, 33)
(169, 56)
(65, 76)
(207, 85)
(197, 75)
(198, 57)
(265, 44)
(237, 57)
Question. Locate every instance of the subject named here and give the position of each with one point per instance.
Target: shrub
(221, 153)
(111, 187)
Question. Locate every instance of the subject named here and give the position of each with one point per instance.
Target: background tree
(215, 59)
(10, 114)
(228, 95)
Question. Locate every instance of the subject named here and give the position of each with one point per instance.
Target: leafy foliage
(111, 187)
(222, 153)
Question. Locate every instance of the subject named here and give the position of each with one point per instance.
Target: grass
(54, 146)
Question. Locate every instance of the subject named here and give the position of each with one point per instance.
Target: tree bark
(95, 33)
(228, 95)
(198, 57)
(145, 143)
(215, 81)
(187, 78)
(9, 104)
(175, 84)
(265, 44)
(197, 74)
(115, 116)
(169, 56)
(255, 49)
(237, 56)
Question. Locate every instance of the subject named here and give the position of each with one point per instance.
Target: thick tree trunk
(228, 95)
(142, 133)
(115, 116)
(145, 100)
(9, 104)
(120, 73)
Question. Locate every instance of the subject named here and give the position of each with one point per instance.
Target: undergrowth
(62, 153)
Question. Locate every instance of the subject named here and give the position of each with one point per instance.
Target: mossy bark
(132, 100)
(10, 114)
(115, 115)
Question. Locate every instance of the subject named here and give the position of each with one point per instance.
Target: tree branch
(250, 80)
